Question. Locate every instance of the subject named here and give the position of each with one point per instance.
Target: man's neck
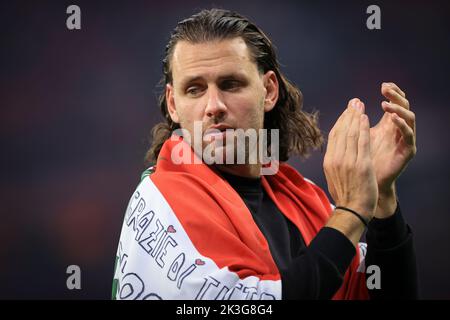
(242, 170)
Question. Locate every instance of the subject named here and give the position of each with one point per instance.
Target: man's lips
(216, 132)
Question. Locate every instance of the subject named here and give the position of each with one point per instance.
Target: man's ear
(272, 89)
(170, 101)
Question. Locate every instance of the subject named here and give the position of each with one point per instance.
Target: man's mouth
(216, 132)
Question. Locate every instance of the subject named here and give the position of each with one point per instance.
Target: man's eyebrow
(191, 79)
(233, 75)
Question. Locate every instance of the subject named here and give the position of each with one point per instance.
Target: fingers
(343, 128)
(337, 144)
(399, 110)
(403, 113)
(394, 94)
(334, 137)
(405, 129)
(394, 87)
(351, 151)
(364, 139)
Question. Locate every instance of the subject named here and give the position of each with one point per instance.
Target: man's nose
(215, 106)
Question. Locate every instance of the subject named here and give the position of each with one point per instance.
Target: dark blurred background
(77, 106)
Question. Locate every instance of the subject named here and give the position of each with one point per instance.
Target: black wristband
(366, 223)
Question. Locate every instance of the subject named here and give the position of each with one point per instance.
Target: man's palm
(390, 153)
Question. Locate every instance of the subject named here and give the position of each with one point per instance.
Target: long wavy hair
(298, 130)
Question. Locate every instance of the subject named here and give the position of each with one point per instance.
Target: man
(200, 227)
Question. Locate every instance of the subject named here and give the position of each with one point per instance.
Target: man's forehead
(224, 56)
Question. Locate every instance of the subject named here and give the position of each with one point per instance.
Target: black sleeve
(318, 272)
(390, 247)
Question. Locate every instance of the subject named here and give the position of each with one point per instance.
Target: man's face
(218, 84)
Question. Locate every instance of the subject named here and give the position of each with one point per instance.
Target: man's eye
(193, 90)
(231, 85)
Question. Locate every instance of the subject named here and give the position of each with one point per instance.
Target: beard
(231, 147)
